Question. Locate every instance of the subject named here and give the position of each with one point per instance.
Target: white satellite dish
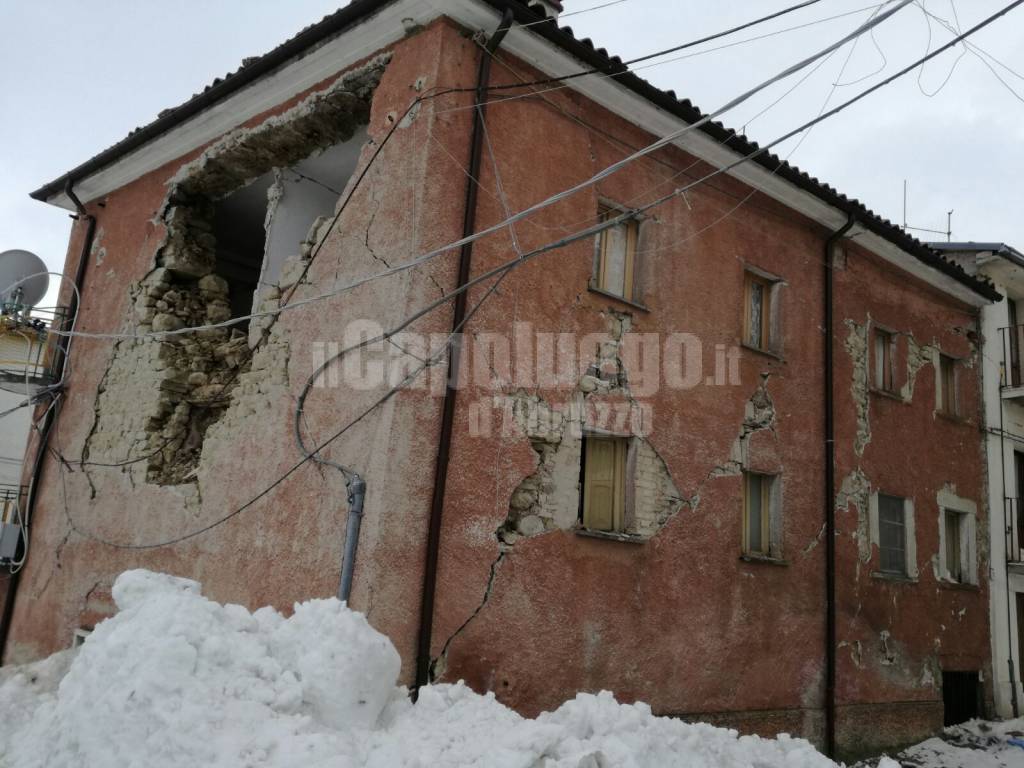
(16, 266)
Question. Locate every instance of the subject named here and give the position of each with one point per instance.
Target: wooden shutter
(616, 258)
(604, 488)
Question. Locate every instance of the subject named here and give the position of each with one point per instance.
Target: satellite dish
(17, 265)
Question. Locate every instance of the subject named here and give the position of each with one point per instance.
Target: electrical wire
(536, 207)
(657, 54)
(980, 53)
(928, 46)
(611, 76)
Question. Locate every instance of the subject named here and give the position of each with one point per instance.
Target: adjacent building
(724, 456)
(25, 366)
(1003, 383)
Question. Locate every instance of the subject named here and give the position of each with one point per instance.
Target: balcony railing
(1014, 530)
(27, 352)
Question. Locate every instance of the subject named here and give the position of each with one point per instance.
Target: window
(615, 262)
(759, 507)
(954, 534)
(957, 555)
(603, 473)
(759, 324)
(948, 399)
(884, 347)
(892, 535)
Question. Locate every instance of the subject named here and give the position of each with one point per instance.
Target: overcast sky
(76, 77)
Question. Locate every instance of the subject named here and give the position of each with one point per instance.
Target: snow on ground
(175, 680)
(976, 744)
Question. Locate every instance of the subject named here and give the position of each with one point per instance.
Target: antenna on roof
(948, 232)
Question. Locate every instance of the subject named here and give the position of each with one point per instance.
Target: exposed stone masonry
(160, 395)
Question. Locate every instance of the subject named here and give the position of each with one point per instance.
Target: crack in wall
(439, 665)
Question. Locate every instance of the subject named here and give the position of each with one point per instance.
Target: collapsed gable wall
(186, 381)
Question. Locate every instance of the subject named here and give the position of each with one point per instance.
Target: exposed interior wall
(235, 218)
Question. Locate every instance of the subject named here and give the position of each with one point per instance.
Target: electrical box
(10, 538)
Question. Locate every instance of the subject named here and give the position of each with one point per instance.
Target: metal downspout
(830, 492)
(356, 494)
(1007, 532)
(61, 355)
(423, 658)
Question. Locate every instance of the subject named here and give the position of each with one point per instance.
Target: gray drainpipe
(356, 494)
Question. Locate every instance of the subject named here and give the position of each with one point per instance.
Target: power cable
(622, 66)
(613, 75)
(980, 53)
(557, 197)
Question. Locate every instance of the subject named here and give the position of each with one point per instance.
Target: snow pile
(175, 679)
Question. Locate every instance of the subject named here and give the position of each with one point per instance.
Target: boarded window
(892, 534)
(884, 346)
(759, 329)
(616, 256)
(948, 396)
(604, 483)
(757, 512)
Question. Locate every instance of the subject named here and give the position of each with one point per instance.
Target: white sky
(76, 77)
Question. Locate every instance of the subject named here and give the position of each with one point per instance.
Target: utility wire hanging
(546, 203)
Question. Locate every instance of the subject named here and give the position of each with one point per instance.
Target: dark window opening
(961, 697)
(239, 227)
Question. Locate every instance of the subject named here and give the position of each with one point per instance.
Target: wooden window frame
(888, 369)
(620, 482)
(769, 338)
(629, 292)
(767, 497)
(949, 386)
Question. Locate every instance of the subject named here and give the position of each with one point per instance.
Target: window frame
(948, 386)
(965, 546)
(910, 572)
(887, 337)
(770, 338)
(770, 493)
(630, 294)
(621, 481)
(883, 548)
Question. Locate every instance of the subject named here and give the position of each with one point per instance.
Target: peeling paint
(857, 346)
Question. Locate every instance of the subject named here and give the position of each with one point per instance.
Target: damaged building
(734, 499)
